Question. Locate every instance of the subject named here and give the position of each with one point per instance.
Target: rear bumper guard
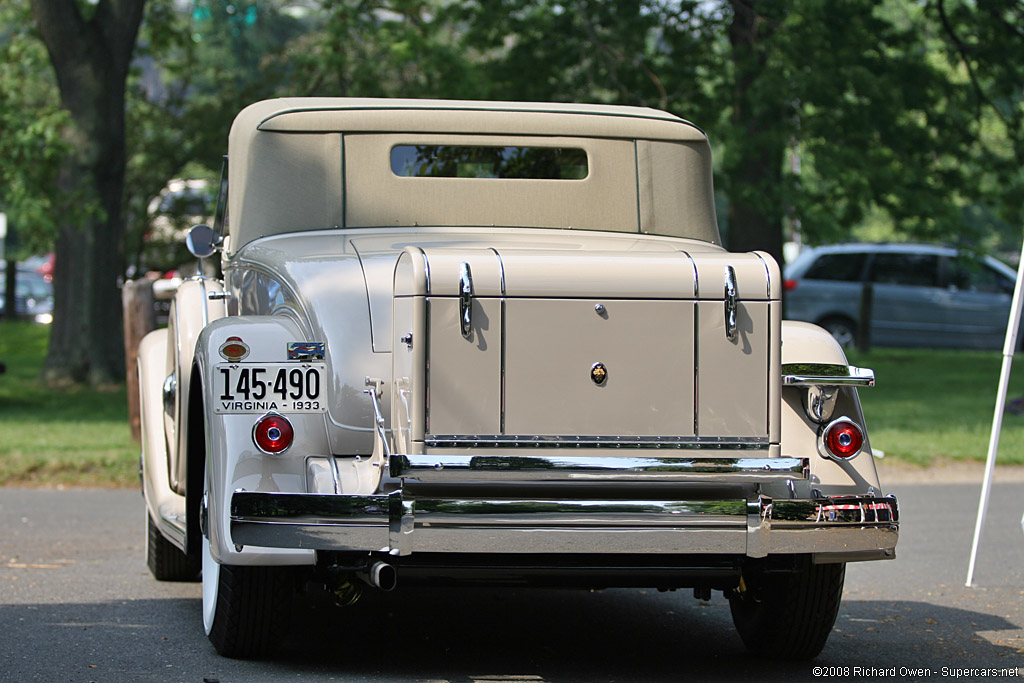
(833, 529)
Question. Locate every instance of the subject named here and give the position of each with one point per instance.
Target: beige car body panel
(191, 310)
(622, 268)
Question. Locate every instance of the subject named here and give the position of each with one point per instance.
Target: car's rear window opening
(479, 161)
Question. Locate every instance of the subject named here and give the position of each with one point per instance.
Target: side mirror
(201, 241)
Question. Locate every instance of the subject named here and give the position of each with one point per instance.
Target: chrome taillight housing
(273, 434)
(842, 439)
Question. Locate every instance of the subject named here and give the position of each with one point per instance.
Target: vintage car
(495, 343)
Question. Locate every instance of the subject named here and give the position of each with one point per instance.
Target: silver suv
(922, 295)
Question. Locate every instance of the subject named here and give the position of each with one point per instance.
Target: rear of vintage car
(591, 393)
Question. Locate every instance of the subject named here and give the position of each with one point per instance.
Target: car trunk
(548, 349)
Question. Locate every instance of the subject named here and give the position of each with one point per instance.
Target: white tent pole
(997, 418)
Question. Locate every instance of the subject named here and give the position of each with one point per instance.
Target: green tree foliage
(874, 118)
(383, 48)
(820, 112)
(650, 53)
(823, 115)
(31, 125)
(193, 71)
(984, 42)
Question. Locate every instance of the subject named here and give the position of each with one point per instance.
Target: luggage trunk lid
(513, 348)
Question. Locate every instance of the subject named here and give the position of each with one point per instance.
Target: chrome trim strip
(809, 374)
(426, 269)
(695, 339)
(542, 512)
(771, 349)
(533, 468)
(696, 366)
(501, 272)
(335, 474)
(767, 276)
(504, 347)
(205, 298)
(837, 511)
(314, 507)
(501, 269)
(696, 281)
(426, 363)
(759, 443)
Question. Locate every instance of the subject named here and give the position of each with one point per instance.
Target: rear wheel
(842, 329)
(788, 615)
(243, 607)
(166, 562)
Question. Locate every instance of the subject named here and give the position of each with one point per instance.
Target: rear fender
(163, 504)
(806, 343)
(191, 310)
(227, 452)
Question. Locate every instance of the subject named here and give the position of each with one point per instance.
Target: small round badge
(599, 373)
(234, 349)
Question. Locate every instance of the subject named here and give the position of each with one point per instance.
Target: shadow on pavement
(487, 635)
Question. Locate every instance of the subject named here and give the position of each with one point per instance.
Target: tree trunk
(760, 114)
(91, 59)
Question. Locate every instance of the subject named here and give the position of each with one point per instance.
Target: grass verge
(929, 407)
(75, 436)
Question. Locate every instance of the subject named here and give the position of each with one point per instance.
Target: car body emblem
(599, 373)
(234, 349)
(305, 351)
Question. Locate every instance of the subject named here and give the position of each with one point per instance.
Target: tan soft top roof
(336, 114)
(300, 164)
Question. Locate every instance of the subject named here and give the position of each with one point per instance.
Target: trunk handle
(465, 300)
(730, 303)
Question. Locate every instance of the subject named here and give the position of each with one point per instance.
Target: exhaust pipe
(383, 576)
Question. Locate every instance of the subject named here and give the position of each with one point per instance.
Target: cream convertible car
(472, 342)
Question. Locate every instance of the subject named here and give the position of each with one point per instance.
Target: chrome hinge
(730, 303)
(465, 300)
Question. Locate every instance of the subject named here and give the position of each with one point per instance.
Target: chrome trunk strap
(379, 433)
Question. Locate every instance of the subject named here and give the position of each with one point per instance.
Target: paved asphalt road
(78, 604)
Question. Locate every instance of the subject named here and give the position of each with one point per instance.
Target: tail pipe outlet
(383, 576)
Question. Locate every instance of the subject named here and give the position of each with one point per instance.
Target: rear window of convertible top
(480, 161)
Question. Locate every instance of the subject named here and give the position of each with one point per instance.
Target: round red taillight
(842, 439)
(273, 434)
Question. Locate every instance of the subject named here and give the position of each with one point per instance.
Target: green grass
(928, 407)
(64, 436)
(932, 406)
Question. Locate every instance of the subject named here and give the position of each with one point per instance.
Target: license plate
(265, 387)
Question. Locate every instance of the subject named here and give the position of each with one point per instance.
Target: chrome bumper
(837, 529)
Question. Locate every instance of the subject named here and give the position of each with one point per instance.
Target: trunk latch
(465, 300)
(730, 303)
